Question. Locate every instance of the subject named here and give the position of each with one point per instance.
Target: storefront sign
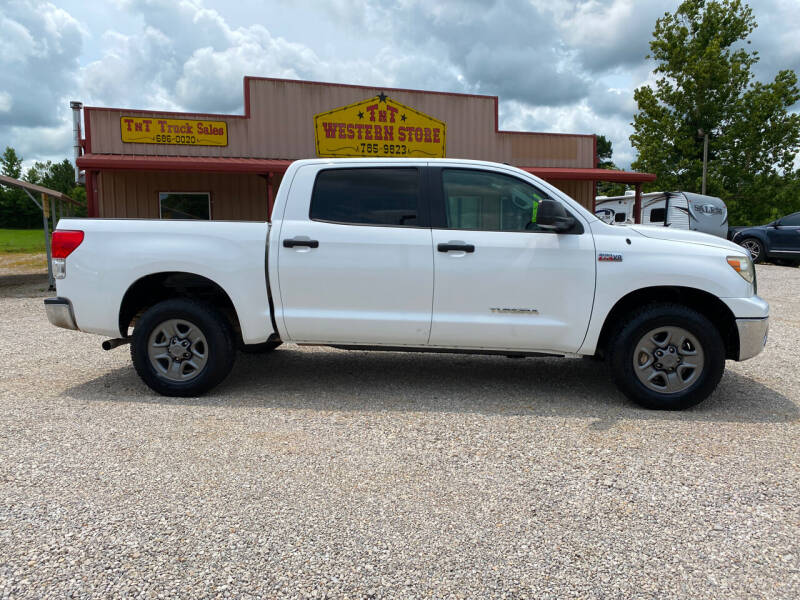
(379, 126)
(155, 130)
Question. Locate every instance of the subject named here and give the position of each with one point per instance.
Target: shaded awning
(38, 189)
(213, 164)
(220, 164)
(560, 173)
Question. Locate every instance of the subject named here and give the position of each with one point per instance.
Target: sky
(556, 65)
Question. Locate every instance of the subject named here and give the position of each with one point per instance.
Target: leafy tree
(604, 152)
(706, 85)
(15, 206)
(10, 163)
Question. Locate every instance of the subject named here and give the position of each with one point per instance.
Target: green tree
(605, 151)
(16, 208)
(706, 85)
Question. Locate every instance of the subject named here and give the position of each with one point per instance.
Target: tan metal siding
(580, 191)
(550, 150)
(281, 126)
(134, 194)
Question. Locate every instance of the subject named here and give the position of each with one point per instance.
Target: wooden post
(637, 205)
(46, 227)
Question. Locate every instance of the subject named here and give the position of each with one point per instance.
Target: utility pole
(705, 158)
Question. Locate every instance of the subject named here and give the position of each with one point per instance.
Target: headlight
(743, 265)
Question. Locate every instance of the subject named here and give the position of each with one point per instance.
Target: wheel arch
(156, 287)
(714, 309)
(756, 234)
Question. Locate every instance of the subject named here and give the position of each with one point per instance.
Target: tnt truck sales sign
(155, 130)
(379, 126)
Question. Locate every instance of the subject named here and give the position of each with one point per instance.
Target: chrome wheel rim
(177, 350)
(752, 247)
(668, 360)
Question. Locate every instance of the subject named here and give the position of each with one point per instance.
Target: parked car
(778, 240)
(680, 210)
(413, 255)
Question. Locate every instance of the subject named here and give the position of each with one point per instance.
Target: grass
(21, 240)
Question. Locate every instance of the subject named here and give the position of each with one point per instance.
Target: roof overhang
(219, 164)
(560, 173)
(212, 164)
(37, 189)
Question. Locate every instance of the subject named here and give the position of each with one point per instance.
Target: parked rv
(681, 210)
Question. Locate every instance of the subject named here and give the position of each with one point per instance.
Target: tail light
(63, 244)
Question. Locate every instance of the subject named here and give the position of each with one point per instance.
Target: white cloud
(6, 102)
(39, 49)
(557, 65)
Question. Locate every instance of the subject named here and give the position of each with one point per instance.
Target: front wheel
(667, 357)
(755, 248)
(181, 347)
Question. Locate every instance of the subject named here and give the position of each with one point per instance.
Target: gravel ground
(323, 473)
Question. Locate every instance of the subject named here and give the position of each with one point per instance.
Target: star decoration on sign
(381, 97)
(402, 117)
(360, 115)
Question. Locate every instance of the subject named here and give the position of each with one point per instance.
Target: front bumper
(59, 313)
(752, 336)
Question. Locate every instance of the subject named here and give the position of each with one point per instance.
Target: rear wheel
(181, 347)
(755, 248)
(667, 357)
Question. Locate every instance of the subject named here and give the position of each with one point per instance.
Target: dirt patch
(21, 263)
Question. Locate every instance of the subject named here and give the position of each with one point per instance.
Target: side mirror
(553, 216)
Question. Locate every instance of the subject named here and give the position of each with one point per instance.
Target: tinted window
(183, 205)
(657, 215)
(791, 220)
(489, 201)
(367, 196)
(619, 218)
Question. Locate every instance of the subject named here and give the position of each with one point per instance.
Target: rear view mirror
(553, 216)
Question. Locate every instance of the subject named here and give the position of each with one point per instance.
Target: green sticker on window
(534, 210)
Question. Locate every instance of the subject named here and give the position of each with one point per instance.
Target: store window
(184, 205)
(488, 201)
(369, 196)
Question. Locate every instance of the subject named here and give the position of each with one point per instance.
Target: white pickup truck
(416, 255)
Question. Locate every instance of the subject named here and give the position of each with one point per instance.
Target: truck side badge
(609, 257)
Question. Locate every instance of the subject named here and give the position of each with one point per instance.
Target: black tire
(756, 249)
(218, 346)
(263, 348)
(632, 332)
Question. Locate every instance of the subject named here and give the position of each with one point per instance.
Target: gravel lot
(342, 474)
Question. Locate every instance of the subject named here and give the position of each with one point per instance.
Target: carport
(59, 205)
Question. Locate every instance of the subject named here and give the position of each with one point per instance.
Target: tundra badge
(609, 257)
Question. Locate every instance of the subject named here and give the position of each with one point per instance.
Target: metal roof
(32, 187)
(221, 164)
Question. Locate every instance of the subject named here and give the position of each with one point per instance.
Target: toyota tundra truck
(432, 255)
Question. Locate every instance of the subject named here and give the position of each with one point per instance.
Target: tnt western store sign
(379, 126)
(150, 164)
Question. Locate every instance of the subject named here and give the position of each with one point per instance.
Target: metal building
(151, 164)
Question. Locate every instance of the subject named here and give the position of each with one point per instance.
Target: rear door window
(368, 196)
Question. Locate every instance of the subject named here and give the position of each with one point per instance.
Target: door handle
(460, 247)
(295, 242)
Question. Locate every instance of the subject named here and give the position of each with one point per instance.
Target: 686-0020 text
(175, 139)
